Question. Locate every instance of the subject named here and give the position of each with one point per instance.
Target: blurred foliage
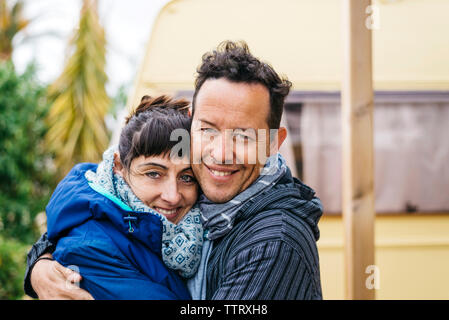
(26, 182)
(44, 131)
(12, 266)
(119, 100)
(77, 129)
(12, 22)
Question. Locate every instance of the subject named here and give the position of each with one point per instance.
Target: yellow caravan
(302, 39)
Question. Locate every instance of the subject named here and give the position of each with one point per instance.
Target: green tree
(77, 129)
(12, 268)
(26, 183)
(12, 22)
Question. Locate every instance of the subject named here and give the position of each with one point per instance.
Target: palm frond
(80, 103)
(12, 22)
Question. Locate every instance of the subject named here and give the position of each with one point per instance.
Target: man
(261, 222)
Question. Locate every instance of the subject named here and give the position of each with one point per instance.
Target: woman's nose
(170, 194)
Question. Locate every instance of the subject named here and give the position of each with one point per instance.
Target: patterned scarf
(181, 243)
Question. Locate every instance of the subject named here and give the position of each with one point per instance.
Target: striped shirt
(271, 253)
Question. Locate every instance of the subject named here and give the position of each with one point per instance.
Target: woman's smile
(165, 186)
(170, 214)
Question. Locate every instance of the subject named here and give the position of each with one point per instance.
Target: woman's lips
(170, 214)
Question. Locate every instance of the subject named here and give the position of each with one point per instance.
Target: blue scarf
(181, 243)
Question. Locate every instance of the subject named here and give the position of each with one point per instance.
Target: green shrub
(26, 184)
(12, 268)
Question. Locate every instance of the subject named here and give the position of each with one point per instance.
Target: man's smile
(221, 174)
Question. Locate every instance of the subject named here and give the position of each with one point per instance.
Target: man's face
(225, 132)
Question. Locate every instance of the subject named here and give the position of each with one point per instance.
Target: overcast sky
(127, 25)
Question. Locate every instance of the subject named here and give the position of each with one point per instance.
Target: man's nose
(222, 149)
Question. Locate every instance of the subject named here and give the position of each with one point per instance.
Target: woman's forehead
(165, 161)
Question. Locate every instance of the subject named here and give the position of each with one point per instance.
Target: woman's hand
(51, 281)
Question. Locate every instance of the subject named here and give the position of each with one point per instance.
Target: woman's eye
(187, 178)
(153, 174)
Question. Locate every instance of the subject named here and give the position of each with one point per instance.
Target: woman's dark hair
(148, 129)
(234, 62)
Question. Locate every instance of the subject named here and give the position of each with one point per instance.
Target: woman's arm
(46, 279)
(41, 247)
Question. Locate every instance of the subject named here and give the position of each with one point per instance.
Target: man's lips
(220, 173)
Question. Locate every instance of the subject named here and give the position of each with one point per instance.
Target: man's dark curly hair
(234, 62)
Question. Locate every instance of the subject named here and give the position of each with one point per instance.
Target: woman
(129, 225)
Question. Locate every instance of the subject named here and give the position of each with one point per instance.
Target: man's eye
(188, 178)
(208, 130)
(153, 174)
(243, 137)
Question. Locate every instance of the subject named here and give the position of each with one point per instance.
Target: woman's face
(167, 187)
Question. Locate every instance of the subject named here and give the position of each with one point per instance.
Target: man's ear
(118, 166)
(278, 139)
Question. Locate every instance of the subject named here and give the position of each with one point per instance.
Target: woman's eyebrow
(146, 164)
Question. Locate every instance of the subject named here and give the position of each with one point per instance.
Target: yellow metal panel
(412, 254)
(300, 38)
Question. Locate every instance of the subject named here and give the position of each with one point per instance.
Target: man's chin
(219, 197)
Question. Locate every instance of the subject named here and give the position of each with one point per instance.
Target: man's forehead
(232, 104)
(216, 87)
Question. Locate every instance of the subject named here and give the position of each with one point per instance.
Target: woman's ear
(118, 166)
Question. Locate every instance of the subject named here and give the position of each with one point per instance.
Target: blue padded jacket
(117, 251)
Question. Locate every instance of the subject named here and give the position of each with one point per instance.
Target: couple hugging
(141, 225)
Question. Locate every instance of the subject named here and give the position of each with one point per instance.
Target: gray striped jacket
(271, 252)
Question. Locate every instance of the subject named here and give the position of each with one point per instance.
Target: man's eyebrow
(152, 164)
(213, 125)
(245, 129)
(208, 122)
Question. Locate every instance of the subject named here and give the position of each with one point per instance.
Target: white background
(127, 25)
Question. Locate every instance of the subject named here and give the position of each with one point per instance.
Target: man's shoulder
(288, 211)
(277, 224)
(280, 228)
